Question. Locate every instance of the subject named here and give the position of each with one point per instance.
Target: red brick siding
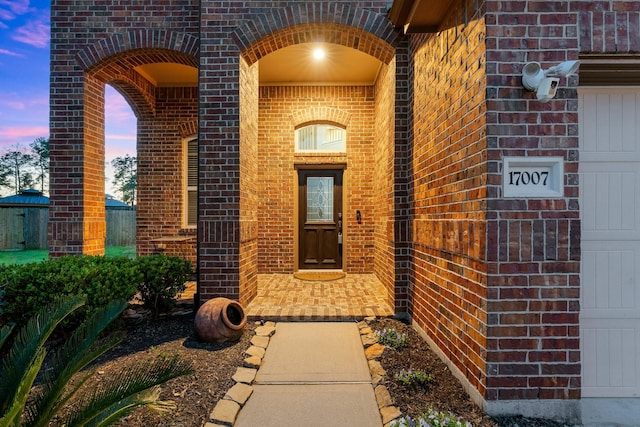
(161, 172)
(384, 213)
(533, 245)
(84, 39)
(250, 163)
(447, 170)
(281, 109)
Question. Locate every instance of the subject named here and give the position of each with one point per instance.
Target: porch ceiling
(292, 65)
(419, 16)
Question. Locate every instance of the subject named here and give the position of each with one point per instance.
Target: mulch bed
(195, 395)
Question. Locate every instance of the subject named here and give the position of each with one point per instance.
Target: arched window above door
(321, 137)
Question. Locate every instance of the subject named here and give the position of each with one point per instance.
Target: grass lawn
(36, 255)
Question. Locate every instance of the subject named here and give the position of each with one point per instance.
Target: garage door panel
(608, 357)
(609, 111)
(610, 211)
(611, 198)
(613, 264)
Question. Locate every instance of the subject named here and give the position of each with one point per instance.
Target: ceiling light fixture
(318, 53)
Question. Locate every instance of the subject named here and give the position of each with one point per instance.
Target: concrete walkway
(312, 374)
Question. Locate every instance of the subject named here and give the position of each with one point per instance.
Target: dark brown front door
(320, 228)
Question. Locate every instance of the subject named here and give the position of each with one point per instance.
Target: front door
(320, 219)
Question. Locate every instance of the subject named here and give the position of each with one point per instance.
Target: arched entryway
(156, 72)
(274, 105)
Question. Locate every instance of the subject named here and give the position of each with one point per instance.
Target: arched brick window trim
(366, 31)
(320, 114)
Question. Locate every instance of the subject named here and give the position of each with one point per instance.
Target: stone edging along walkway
(226, 411)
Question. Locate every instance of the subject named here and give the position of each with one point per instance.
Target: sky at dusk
(24, 84)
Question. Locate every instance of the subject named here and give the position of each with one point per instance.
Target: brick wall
(281, 110)
(160, 156)
(384, 200)
(91, 45)
(495, 281)
(447, 170)
(250, 164)
(533, 245)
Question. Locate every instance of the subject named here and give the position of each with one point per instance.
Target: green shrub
(412, 377)
(392, 338)
(101, 403)
(163, 277)
(29, 287)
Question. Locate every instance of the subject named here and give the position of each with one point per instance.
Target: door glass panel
(320, 198)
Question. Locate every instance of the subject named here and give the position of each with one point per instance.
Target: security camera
(547, 88)
(545, 83)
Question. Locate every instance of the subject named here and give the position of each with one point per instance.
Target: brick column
(77, 208)
(533, 244)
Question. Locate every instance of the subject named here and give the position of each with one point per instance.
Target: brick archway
(113, 60)
(337, 23)
(164, 46)
(326, 114)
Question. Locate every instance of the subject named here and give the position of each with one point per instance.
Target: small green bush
(163, 277)
(431, 418)
(27, 288)
(412, 377)
(392, 338)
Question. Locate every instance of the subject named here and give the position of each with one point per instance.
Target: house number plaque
(533, 177)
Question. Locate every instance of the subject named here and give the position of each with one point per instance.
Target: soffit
(295, 65)
(292, 65)
(168, 74)
(419, 16)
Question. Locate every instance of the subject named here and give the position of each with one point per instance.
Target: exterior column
(77, 203)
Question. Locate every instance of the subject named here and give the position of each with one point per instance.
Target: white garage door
(610, 207)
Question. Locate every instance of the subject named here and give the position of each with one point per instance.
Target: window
(191, 183)
(321, 137)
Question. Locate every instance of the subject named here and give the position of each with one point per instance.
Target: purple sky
(24, 84)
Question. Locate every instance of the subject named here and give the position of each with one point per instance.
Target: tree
(40, 160)
(125, 177)
(97, 405)
(15, 169)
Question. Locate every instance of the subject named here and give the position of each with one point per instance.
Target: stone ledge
(373, 351)
(227, 409)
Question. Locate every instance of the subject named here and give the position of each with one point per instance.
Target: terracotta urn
(220, 320)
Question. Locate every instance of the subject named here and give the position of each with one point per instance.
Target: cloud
(10, 53)
(34, 33)
(19, 7)
(9, 136)
(120, 137)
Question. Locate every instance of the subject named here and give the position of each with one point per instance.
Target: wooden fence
(121, 227)
(26, 227)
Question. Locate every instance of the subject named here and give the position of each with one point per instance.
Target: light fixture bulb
(318, 53)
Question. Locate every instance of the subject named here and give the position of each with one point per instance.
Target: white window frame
(316, 135)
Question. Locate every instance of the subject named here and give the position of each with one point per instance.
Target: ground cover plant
(439, 401)
(21, 404)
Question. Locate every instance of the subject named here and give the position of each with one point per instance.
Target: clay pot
(220, 320)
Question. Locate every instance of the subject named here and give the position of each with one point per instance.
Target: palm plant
(21, 404)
